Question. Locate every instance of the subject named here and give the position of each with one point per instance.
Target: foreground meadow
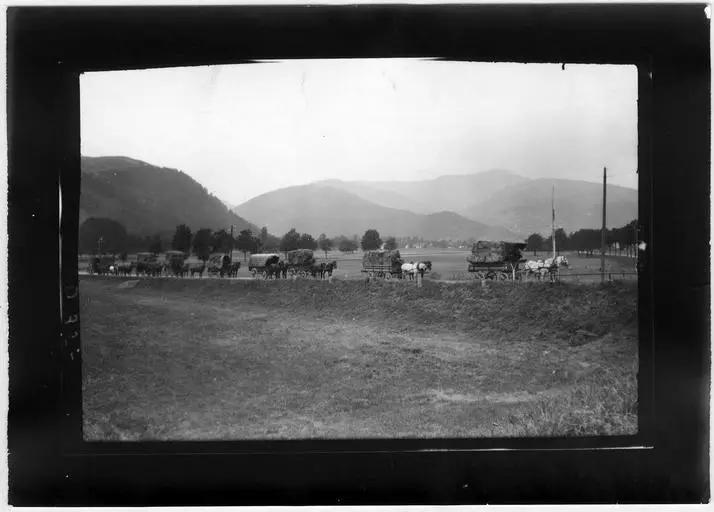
(171, 359)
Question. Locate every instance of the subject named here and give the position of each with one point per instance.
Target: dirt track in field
(211, 359)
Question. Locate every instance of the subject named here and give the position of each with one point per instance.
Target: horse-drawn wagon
(176, 261)
(496, 260)
(101, 264)
(219, 264)
(258, 263)
(382, 263)
(145, 263)
(300, 262)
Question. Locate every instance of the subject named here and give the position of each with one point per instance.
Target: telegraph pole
(231, 241)
(552, 223)
(604, 223)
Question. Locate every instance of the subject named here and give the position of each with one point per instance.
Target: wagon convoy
(489, 260)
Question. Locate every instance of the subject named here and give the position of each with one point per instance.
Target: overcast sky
(242, 130)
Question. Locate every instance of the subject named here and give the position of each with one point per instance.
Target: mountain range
(496, 204)
(148, 200)
(319, 208)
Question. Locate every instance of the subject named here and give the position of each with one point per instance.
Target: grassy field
(171, 359)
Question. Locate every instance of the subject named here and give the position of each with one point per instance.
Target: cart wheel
(480, 275)
(502, 276)
(264, 274)
(370, 275)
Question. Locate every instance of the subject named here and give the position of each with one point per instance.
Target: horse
(329, 267)
(558, 261)
(318, 269)
(409, 269)
(422, 267)
(273, 270)
(177, 267)
(197, 268)
(125, 268)
(234, 268)
(155, 269)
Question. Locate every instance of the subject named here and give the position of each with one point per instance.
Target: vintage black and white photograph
(382, 248)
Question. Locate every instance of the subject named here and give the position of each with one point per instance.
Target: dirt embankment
(219, 359)
(559, 310)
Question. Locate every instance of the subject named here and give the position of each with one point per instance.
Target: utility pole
(604, 224)
(231, 241)
(552, 223)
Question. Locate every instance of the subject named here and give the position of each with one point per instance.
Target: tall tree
(535, 243)
(222, 241)
(371, 240)
(307, 242)
(264, 235)
(347, 245)
(324, 243)
(246, 242)
(103, 235)
(155, 244)
(390, 243)
(290, 241)
(202, 243)
(182, 238)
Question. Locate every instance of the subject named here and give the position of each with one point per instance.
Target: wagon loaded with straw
(300, 262)
(382, 263)
(496, 260)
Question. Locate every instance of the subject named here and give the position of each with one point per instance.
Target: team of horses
(542, 268)
(411, 269)
(280, 269)
(159, 269)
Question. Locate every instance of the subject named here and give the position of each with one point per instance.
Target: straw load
(301, 258)
(381, 258)
(495, 252)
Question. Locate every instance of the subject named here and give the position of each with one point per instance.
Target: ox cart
(382, 264)
(496, 260)
(258, 263)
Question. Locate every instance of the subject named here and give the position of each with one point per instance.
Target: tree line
(102, 235)
(622, 239)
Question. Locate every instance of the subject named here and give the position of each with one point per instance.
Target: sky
(243, 130)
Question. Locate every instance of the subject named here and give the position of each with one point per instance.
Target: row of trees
(109, 236)
(589, 240)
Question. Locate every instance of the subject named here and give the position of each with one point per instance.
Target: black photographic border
(667, 461)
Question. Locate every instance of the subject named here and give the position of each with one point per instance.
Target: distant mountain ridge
(147, 199)
(526, 207)
(318, 208)
(453, 192)
(500, 202)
